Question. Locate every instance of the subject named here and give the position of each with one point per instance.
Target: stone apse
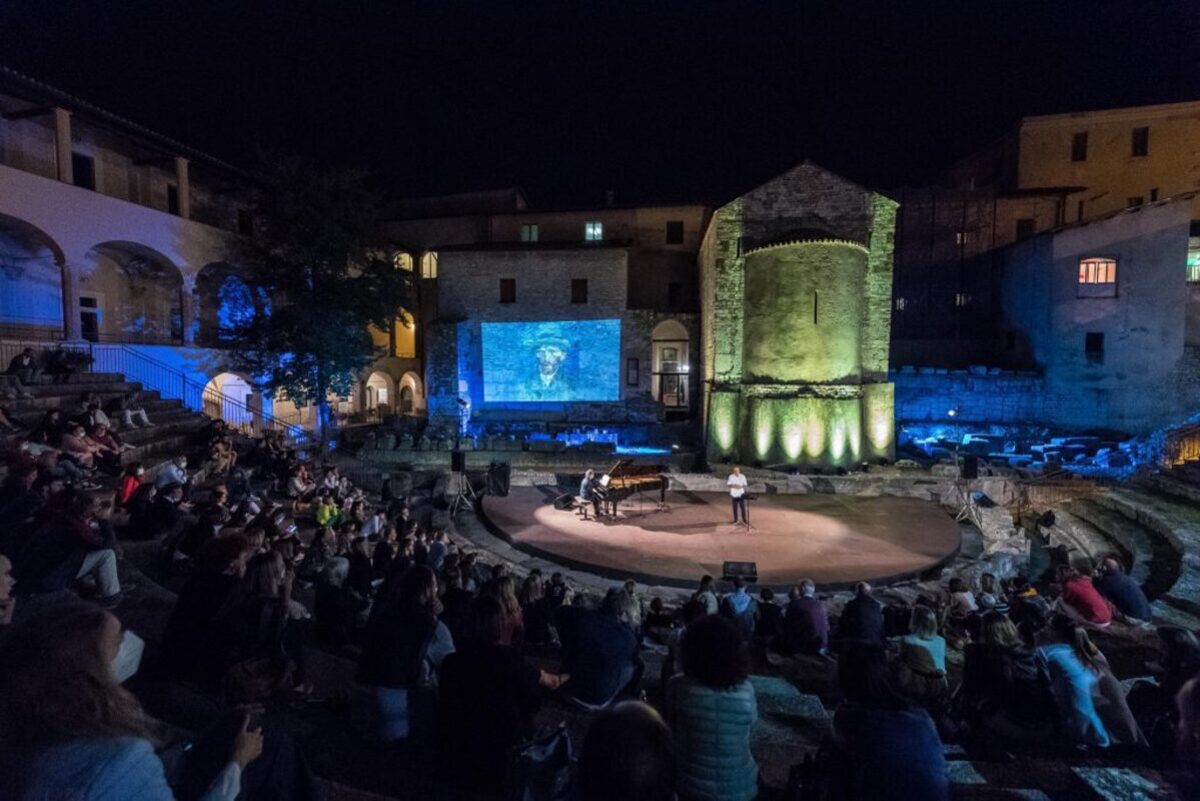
(796, 284)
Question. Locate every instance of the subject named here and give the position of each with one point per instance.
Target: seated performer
(587, 491)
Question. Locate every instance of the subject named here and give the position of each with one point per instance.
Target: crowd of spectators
(273, 555)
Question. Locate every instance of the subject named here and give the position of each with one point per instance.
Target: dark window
(1139, 142)
(675, 232)
(579, 290)
(632, 372)
(245, 223)
(172, 199)
(508, 290)
(1079, 146)
(1093, 347)
(1079, 211)
(816, 305)
(84, 169)
(1154, 194)
(674, 295)
(1025, 228)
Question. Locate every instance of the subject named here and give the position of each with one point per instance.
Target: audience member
(1005, 690)
(770, 617)
(600, 650)
(706, 595)
(862, 618)
(740, 607)
(921, 668)
(24, 366)
(805, 628)
(1073, 683)
(1029, 610)
(711, 708)
(1079, 600)
(628, 755)
(888, 749)
(74, 542)
(1120, 590)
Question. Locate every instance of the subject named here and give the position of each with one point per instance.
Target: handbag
(542, 769)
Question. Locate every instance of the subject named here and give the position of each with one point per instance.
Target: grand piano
(626, 480)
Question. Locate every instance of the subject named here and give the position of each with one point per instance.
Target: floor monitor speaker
(747, 571)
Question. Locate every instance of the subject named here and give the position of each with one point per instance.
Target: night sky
(661, 101)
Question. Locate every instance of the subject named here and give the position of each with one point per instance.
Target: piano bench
(581, 506)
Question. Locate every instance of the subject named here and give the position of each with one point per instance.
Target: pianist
(587, 491)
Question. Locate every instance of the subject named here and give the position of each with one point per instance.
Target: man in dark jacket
(862, 618)
(24, 366)
(72, 545)
(1120, 590)
(805, 626)
(600, 649)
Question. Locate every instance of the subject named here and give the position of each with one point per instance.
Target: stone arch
(379, 393)
(402, 260)
(135, 294)
(670, 364)
(411, 390)
(222, 299)
(31, 281)
(230, 397)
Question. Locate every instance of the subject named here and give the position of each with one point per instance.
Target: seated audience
(1005, 690)
(487, 697)
(403, 647)
(24, 366)
(770, 616)
(129, 408)
(1030, 612)
(131, 479)
(711, 708)
(1074, 676)
(69, 730)
(1120, 590)
(627, 754)
(600, 649)
(921, 668)
(336, 607)
(173, 472)
(990, 596)
(862, 618)
(962, 602)
(74, 542)
(805, 626)
(536, 614)
(885, 747)
(57, 364)
(706, 595)
(1079, 600)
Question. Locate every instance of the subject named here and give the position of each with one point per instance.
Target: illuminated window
(593, 231)
(1097, 271)
(1193, 254)
(1079, 146)
(529, 232)
(402, 261)
(962, 299)
(1097, 278)
(901, 303)
(1139, 141)
(429, 265)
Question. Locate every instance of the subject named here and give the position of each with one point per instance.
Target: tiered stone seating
(172, 423)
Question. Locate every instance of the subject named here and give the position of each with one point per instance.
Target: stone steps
(1134, 542)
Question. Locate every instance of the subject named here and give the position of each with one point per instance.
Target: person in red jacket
(1079, 600)
(131, 479)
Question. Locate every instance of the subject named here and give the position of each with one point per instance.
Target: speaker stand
(466, 497)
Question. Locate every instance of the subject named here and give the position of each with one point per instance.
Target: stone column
(187, 313)
(70, 295)
(183, 187)
(62, 146)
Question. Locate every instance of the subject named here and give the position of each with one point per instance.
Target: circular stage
(835, 540)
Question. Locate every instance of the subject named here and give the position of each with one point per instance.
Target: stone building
(796, 293)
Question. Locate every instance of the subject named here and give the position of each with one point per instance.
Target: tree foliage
(323, 275)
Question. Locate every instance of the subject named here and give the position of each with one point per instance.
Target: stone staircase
(172, 423)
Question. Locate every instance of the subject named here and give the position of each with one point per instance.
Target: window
(245, 223)
(1131, 202)
(1079, 211)
(172, 199)
(901, 303)
(1153, 194)
(1025, 228)
(1097, 278)
(529, 232)
(508, 290)
(632, 372)
(675, 232)
(429, 262)
(593, 231)
(402, 261)
(1093, 347)
(962, 299)
(579, 290)
(84, 169)
(1139, 141)
(960, 237)
(674, 295)
(1079, 146)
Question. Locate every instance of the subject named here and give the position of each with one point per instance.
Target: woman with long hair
(921, 668)
(67, 727)
(1005, 690)
(504, 590)
(403, 647)
(536, 613)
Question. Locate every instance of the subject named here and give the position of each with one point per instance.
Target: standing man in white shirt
(737, 494)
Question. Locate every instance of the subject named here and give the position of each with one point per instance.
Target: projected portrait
(551, 361)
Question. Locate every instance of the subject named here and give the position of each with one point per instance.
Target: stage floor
(832, 539)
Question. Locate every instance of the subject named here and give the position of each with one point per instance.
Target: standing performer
(737, 494)
(587, 491)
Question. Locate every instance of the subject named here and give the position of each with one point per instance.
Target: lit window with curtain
(1097, 277)
(429, 265)
(402, 261)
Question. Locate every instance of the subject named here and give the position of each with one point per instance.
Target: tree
(323, 275)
